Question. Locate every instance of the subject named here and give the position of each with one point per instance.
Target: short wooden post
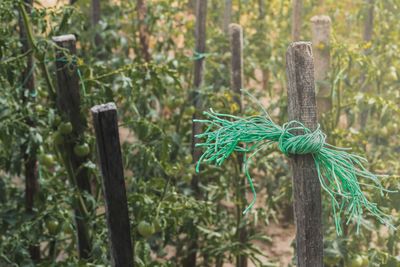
(236, 39)
(141, 8)
(105, 124)
(321, 31)
(30, 158)
(297, 8)
(306, 186)
(96, 15)
(69, 105)
(200, 49)
(227, 15)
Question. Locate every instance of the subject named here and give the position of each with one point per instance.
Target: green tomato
(331, 260)
(356, 261)
(82, 150)
(65, 128)
(53, 226)
(146, 229)
(47, 160)
(39, 108)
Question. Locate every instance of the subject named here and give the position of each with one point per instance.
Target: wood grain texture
(68, 103)
(105, 123)
(306, 185)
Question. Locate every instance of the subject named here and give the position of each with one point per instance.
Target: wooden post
(236, 39)
(200, 48)
(105, 124)
(69, 105)
(141, 9)
(297, 7)
(96, 15)
(30, 158)
(227, 15)
(321, 31)
(306, 185)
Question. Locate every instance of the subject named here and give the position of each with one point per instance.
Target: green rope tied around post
(338, 170)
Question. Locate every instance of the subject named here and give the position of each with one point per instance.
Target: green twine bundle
(338, 170)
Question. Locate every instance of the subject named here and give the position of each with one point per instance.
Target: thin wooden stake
(30, 158)
(306, 185)
(69, 105)
(321, 31)
(105, 124)
(236, 39)
(297, 8)
(200, 49)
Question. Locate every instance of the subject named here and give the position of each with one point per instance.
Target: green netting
(338, 170)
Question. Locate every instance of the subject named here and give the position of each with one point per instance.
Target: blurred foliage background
(151, 85)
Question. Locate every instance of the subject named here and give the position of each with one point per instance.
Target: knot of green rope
(338, 171)
(306, 142)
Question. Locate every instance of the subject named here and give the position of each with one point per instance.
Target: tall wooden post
(69, 105)
(297, 8)
(321, 31)
(105, 124)
(30, 158)
(306, 185)
(200, 48)
(236, 39)
(141, 9)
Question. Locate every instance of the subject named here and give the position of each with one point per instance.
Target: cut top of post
(103, 107)
(64, 38)
(321, 19)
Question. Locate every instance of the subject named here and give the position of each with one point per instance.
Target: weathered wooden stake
(141, 9)
(200, 48)
(297, 8)
(30, 158)
(105, 124)
(306, 185)
(69, 105)
(321, 31)
(227, 18)
(236, 39)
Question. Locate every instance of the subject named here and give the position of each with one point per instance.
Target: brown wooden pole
(30, 158)
(105, 124)
(200, 48)
(321, 31)
(236, 39)
(297, 8)
(306, 185)
(69, 105)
